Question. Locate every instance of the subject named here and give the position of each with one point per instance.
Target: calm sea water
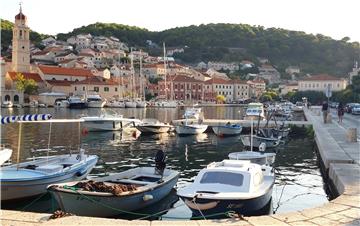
(299, 184)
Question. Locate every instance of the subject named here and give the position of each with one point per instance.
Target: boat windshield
(234, 179)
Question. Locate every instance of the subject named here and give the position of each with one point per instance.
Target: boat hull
(190, 129)
(270, 142)
(82, 205)
(18, 189)
(130, 104)
(141, 104)
(227, 130)
(153, 129)
(77, 105)
(214, 206)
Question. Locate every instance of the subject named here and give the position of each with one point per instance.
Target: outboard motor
(81, 156)
(160, 162)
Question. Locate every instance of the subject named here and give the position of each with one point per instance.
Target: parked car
(355, 109)
(349, 106)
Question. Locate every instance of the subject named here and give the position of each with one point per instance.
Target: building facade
(321, 82)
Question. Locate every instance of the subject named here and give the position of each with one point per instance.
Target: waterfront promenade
(339, 159)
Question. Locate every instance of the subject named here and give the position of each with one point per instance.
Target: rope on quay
(144, 216)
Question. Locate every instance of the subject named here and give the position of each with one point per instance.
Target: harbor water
(299, 184)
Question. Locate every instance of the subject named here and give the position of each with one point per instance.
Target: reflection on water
(298, 177)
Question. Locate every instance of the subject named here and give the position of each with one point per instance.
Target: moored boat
(115, 104)
(190, 129)
(95, 101)
(153, 126)
(130, 104)
(227, 130)
(5, 155)
(230, 185)
(76, 102)
(270, 142)
(7, 104)
(106, 122)
(126, 191)
(255, 111)
(261, 158)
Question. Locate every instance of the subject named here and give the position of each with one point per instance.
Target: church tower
(21, 44)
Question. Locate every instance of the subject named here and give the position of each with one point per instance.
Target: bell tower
(21, 44)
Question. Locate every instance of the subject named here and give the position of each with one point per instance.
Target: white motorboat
(130, 104)
(298, 107)
(141, 104)
(190, 128)
(95, 101)
(77, 102)
(227, 130)
(115, 104)
(31, 178)
(7, 104)
(229, 185)
(261, 158)
(166, 104)
(153, 126)
(62, 103)
(193, 113)
(255, 111)
(5, 155)
(127, 191)
(107, 122)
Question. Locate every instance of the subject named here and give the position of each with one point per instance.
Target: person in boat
(160, 164)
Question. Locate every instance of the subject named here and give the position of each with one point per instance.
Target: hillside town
(109, 67)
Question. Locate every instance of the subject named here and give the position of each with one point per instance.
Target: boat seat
(129, 181)
(50, 168)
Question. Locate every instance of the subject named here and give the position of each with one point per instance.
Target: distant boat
(229, 185)
(130, 104)
(140, 103)
(95, 101)
(7, 104)
(192, 113)
(255, 111)
(227, 130)
(166, 104)
(190, 129)
(270, 142)
(261, 158)
(144, 188)
(77, 102)
(115, 104)
(153, 126)
(61, 103)
(5, 155)
(106, 122)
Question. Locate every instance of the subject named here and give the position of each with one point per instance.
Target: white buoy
(262, 147)
(147, 197)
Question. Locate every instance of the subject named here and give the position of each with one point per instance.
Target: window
(106, 89)
(76, 80)
(83, 88)
(317, 85)
(233, 179)
(96, 89)
(116, 89)
(65, 79)
(7, 98)
(215, 86)
(53, 79)
(16, 99)
(20, 34)
(75, 88)
(338, 85)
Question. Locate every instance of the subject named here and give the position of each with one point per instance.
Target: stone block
(351, 135)
(323, 221)
(290, 217)
(265, 220)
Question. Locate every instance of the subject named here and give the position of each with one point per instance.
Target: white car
(355, 109)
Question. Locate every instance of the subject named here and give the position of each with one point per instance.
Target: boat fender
(148, 197)
(262, 147)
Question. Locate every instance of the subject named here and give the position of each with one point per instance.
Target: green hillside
(6, 35)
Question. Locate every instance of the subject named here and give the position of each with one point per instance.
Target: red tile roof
(40, 53)
(35, 76)
(66, 61)
(322, 77)
(218, 81)
(65, 71)
(97, 80)
(60, 82)
(238, 81)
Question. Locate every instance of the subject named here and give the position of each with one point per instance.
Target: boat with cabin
(95, 101)
(7, 104)
(77, 102)
(107, 122)
(255, 111)
(229, 185)
(227, 130)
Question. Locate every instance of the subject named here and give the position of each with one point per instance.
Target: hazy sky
(335, 18)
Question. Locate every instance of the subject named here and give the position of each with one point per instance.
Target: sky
(334, 18)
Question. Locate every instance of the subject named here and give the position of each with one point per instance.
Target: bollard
(351, 135)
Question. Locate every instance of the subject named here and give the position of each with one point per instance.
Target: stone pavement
(341, 162)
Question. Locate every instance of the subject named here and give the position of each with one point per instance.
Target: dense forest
(6, 35)
(235, 42)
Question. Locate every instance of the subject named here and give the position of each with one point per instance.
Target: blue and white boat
(143, 185)
(227, 130)
(27, 179)
(31, 178)
(229, 185)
